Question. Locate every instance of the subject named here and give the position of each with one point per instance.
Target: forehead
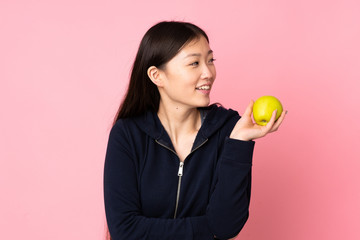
(196, 46)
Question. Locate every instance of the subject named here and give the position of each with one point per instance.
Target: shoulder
(123, 130)
(219, 118)
(217, 112)
(121, 126)
(219, 109)
(126, 139)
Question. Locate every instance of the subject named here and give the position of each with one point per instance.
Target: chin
(204, 103)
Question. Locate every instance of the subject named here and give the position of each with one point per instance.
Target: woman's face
(189, 76)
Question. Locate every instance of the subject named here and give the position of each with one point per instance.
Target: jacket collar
(215, 118)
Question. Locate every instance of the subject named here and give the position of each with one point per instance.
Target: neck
(179, 121)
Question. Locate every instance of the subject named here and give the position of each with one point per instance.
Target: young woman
(175, 167)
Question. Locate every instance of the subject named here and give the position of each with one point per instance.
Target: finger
(270, 124)
(279, 121)
(248, 109)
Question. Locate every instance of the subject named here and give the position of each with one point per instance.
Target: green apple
(264, 107)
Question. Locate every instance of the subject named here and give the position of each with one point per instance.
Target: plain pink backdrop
(65, 66)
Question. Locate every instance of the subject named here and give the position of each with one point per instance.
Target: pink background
(65, 65)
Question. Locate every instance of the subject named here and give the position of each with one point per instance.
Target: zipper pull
(181, 167)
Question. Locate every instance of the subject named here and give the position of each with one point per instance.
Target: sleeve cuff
(238, 150)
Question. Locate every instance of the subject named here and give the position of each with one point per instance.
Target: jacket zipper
(180, 171)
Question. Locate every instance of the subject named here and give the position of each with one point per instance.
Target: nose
(208, 72)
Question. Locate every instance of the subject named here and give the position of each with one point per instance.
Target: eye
(212, 60)
(194, 64)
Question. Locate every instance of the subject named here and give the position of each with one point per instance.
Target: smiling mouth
(204, 87)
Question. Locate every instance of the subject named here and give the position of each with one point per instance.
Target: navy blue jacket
(149, 195)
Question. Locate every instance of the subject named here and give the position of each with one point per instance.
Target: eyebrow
(198, 54)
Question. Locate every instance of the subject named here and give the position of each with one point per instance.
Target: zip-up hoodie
(150, 194)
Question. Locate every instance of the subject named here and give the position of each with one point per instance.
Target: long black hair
(158, 46)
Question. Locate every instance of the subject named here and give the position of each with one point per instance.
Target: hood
(216, 117)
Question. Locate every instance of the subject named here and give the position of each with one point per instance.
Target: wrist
(240, 137)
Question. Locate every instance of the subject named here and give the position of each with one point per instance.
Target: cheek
(185, 80)
(214, 71)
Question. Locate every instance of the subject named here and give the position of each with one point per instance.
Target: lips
(204, 87)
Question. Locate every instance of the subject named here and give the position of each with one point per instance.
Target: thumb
(248, 109)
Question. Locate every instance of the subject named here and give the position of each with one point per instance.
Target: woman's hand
(246, 130)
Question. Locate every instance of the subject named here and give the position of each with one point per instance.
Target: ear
(155, 76)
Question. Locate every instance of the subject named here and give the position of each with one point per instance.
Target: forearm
(140, 227)
(229, 203)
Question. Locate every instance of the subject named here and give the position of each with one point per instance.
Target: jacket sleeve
(228, 208)
(122, 200)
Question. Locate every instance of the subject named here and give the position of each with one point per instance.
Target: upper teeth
(204, 87)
